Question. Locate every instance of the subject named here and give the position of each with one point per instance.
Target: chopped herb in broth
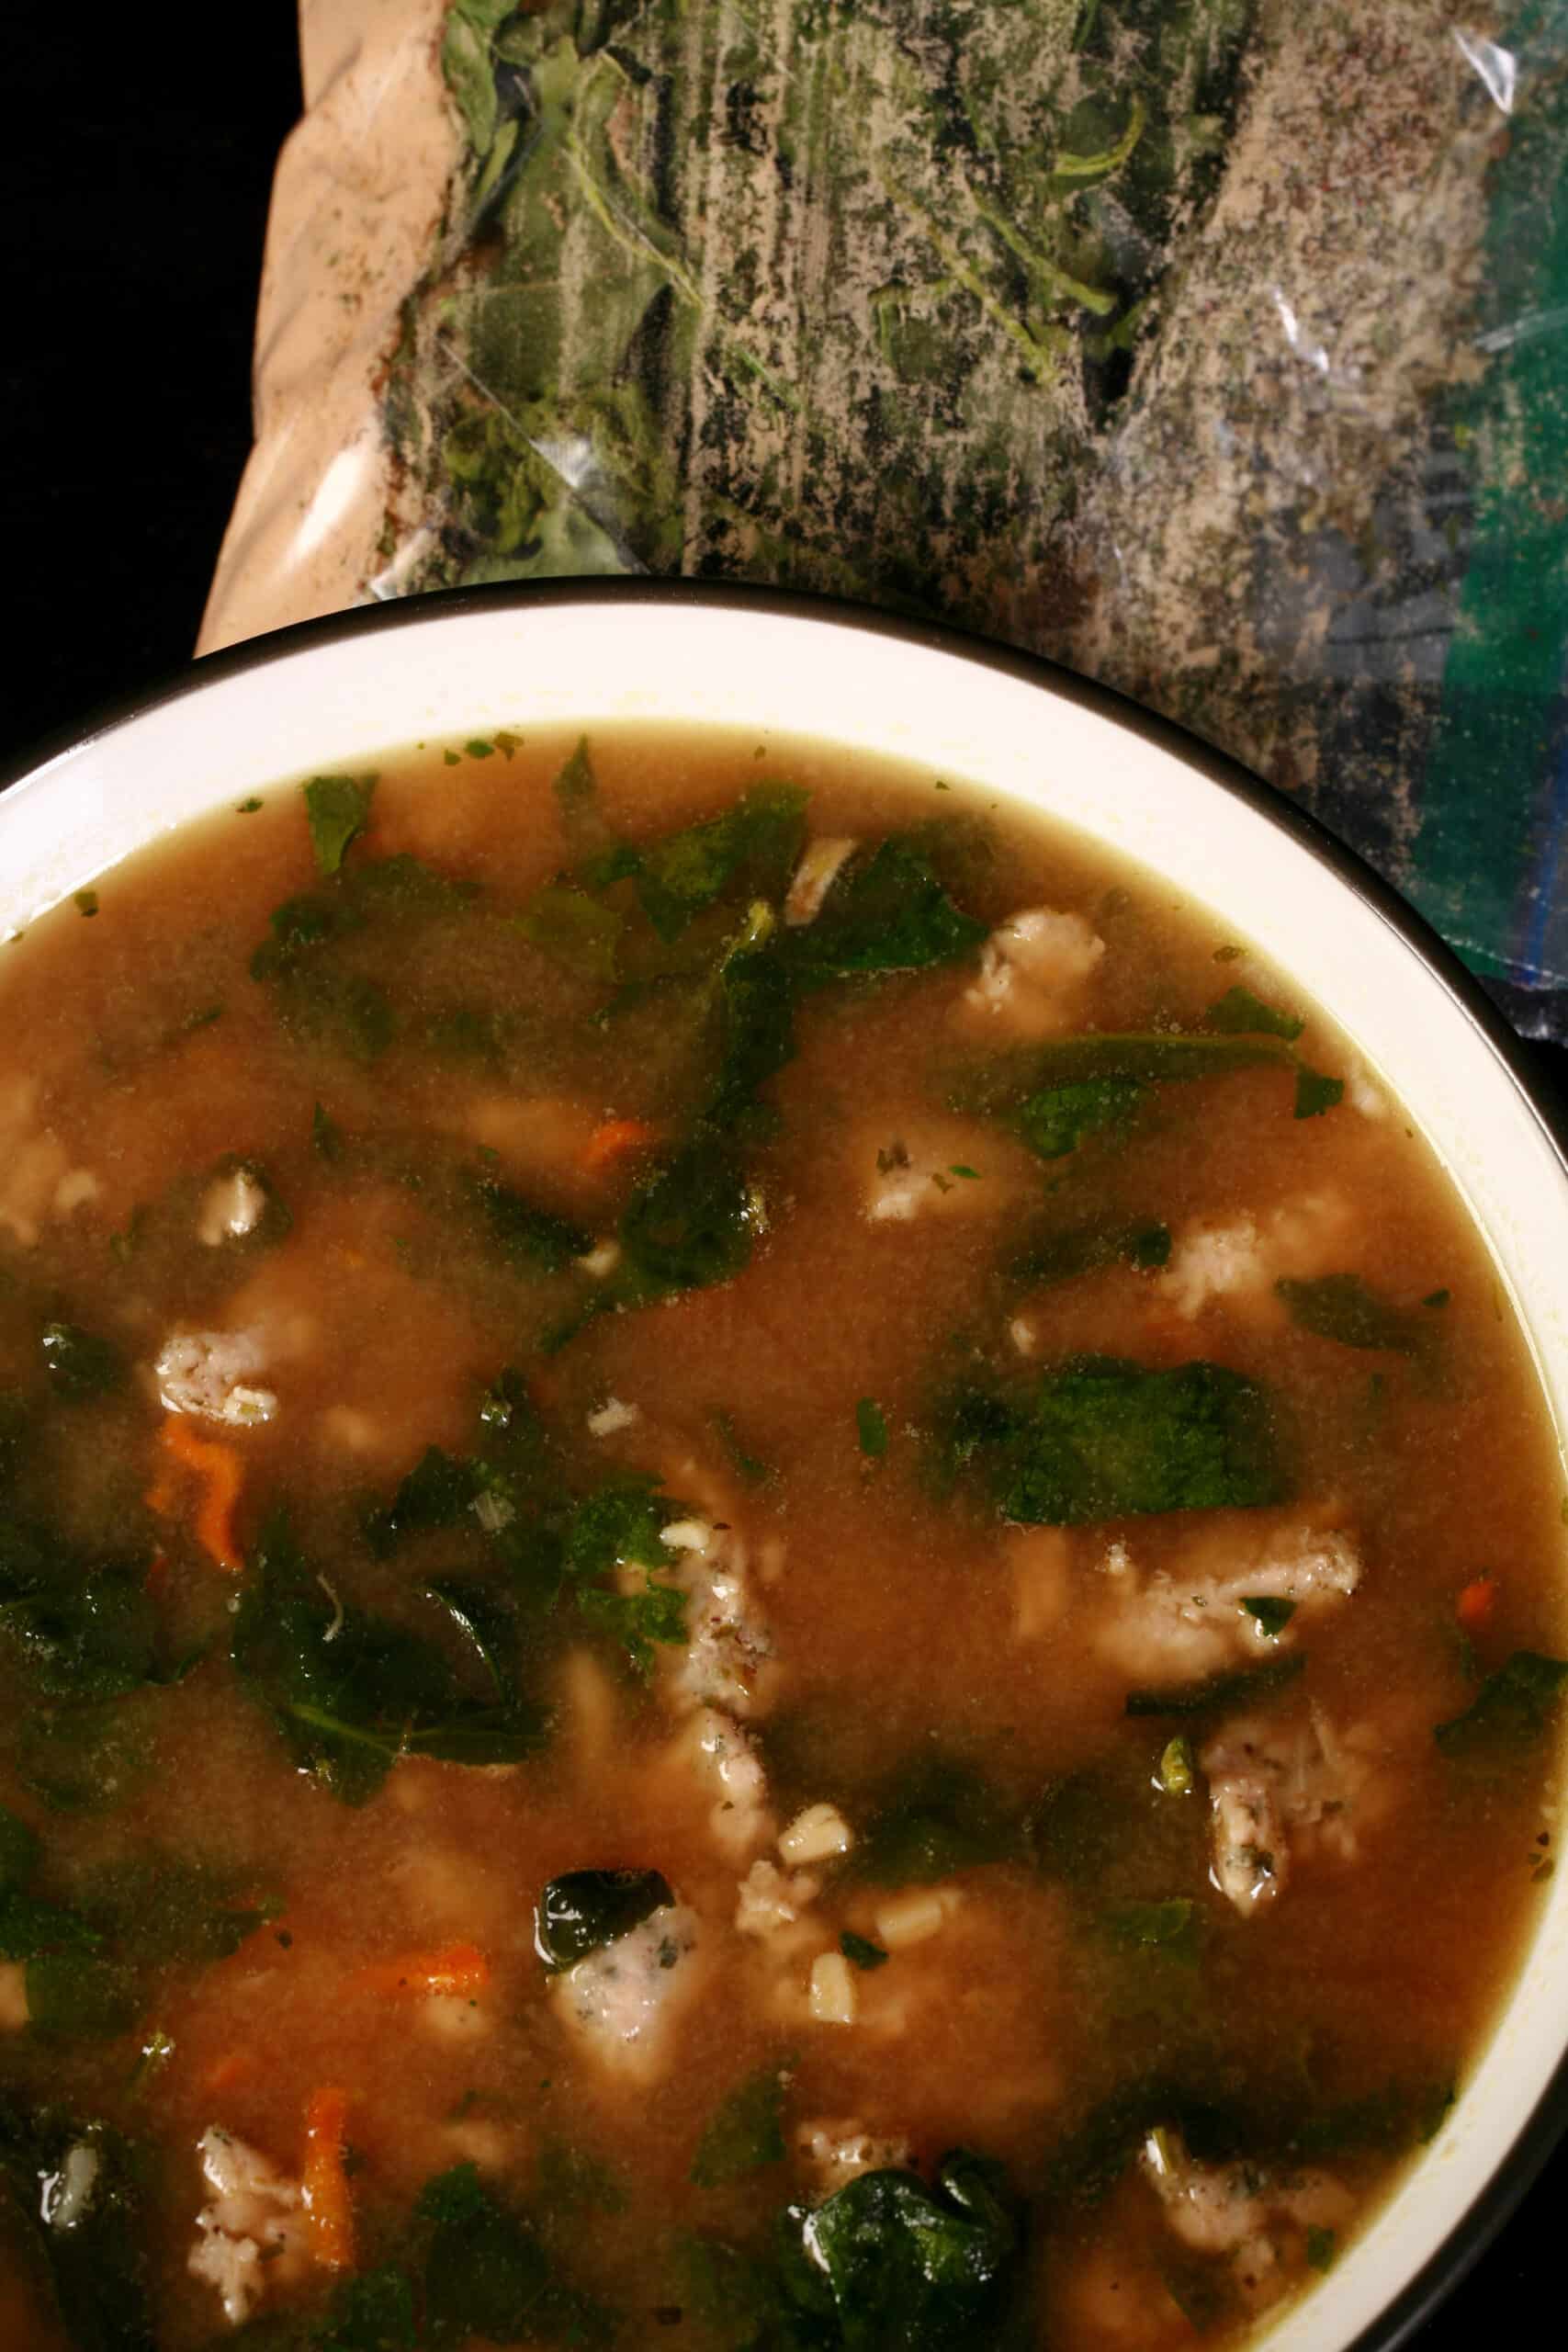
(697, 1575)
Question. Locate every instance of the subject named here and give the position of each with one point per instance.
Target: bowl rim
(1547, 2122)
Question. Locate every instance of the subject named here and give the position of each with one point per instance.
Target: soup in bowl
(780, 1552)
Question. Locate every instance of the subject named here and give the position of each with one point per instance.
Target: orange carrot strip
(329, 2210)
(1476, 1603)
(222, 1474)
(615, 1137)
(456, 1968)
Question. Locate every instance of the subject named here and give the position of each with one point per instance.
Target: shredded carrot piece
(155, 1583)
(456, 1968)
(329, 2210)
(615, 1137)
(219, 1469)
(1476, 1603)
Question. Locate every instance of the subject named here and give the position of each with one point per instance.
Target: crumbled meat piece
(931, 1168)
(1363, 1093)
(204, 1374)
(621, 2001)
(611, 1416)
(1292, 1788)
(1252, 1857)
(455, 2017)
(1241, 1260)
(1213, 1261)
(1033, 970)
(1189, 1620)
(1254, 2221)
(251, 2234)
(740, 1820)
(770, 1898)
(726, 1662)
(37, 1179)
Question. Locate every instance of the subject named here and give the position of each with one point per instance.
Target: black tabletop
(135, 180)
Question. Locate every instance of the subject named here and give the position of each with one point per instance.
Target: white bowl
(344, 690)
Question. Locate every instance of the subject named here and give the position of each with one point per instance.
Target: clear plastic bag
(1211, 348)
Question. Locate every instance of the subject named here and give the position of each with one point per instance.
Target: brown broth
(908, 1624)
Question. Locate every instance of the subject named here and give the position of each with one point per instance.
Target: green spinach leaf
(532, 1239)
(739, 2294)
(937, 1818)
(81, 1628)
(1270, 1614)
(548, 1543)
(899, 2266)
(486, 2273)
(573, 2180)
(437, 1492)
(338, 810)
(751, 851)
(638, 1621)
(618, 1528)
(870, 1428)
(692, 1225)
(89, 1968)
(1344, 1308)
(372, 2313)
(1061, 1257)
(1513, 1706)
(756, 1007)
(81, 1365)
(1238, 1011)
(1316, 1093)
(76, 2191)
(86, 1759)
(21, 1849)
(1136, 1058)
(1101, 1438)
(404, 888)
(745, 2135)
(1057, 1120)
(350, 1692)
(29, 1928)
(1172, 1928)
(884, 913)
(583, 1910)
(574, 929)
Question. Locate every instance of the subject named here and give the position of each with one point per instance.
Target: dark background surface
(135, 184)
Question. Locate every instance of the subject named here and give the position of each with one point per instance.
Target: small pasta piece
(816, 1836)
(831, 1999)
(912, 1918)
